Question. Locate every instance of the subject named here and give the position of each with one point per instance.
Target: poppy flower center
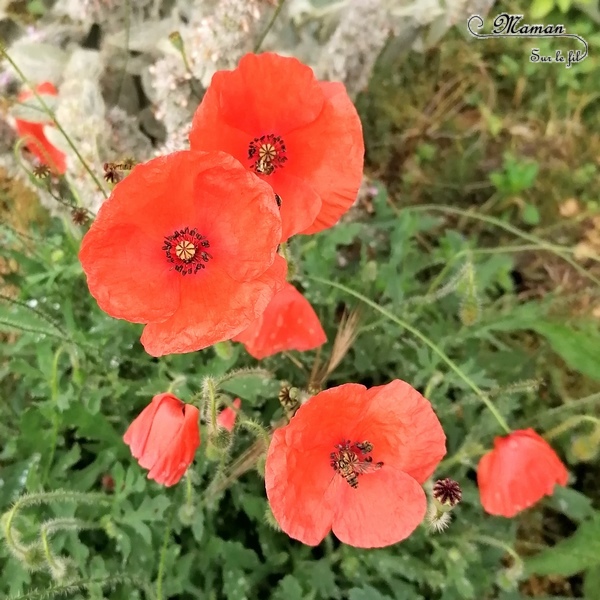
(268, 153)
(185, 248)
(353, 459)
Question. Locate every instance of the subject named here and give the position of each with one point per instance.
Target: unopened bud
(585, 447)
(470, 309)
(187, 514)
(218, 445)
(224, 350)
(437, 520)
(34, 557)
(176, 39)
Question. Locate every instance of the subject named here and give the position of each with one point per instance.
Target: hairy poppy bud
(164, 438)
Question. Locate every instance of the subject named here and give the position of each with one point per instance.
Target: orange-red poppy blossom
(33, 132)
(226, 418)
(186, 243)
(164, 438)
(288, 323)
(520, 470)
(302, 136)
(352, 460)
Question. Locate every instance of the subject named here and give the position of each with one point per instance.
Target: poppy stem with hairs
(480, 393)
(263, 35)
(51, 114)
(570, 423)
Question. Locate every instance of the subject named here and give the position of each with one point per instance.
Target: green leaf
(563, 5)
(366, 593)
(572, 503)
(591, 583)
(580, 349)
(530, 214)
(575, 554)
(288, 589)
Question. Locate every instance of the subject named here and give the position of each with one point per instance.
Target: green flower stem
(210, 391)
(572, 405)
(542, 244)
(255, 428)
(270, 24)
(189, 489)
(490, 541)
(163, 557)
(51, 114)
(570, 423)
(55, 420)
(400, 322)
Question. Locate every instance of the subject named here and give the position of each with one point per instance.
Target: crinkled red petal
(213, 308)
(288, 323)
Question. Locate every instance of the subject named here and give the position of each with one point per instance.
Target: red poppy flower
(164, 438)
(37, 142)
(352, 460)
(187, 244)
(302, 136)
(288, 323)
(520, 470)
(226, 418)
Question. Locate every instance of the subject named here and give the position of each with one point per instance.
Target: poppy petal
(288, 323)
(228, 415)
(137, 434)
(520, 471)
(297, 481)
(266, 93)
(334, 170)
(300, 202)
(408, 433)
(384, 509)
(127, 273)
(163, 432)
(227, 307)
(244, 229)
(175, 460)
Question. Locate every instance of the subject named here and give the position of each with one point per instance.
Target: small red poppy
(37, 142)
(186, 243)
(352, 460)
(520, 470)
(288, 323)
(164, 438)
(226, 418)
(304, 137)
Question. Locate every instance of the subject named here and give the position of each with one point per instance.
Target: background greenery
(472, 257)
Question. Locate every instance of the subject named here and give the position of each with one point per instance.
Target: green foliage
(452, 299)
(579, 552)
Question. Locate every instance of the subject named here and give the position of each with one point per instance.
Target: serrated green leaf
(579, 348)
(577, 553)
(288, 589)
(572, 503)
(366, 593)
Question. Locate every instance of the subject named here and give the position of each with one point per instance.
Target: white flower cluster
(135, 94)
(211, 41)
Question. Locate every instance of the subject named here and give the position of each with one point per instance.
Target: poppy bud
(164, 438)
(226, 418)
(34, 557)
